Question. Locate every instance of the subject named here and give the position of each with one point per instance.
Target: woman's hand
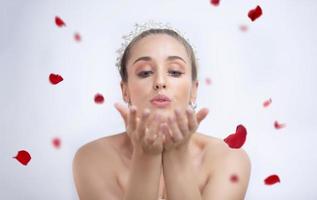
(143, 130)
(180, 128)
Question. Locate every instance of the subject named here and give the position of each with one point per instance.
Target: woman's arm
(144, 177)
(179, 175)
(146, 160)
(95, 181)
(181, 181)
(230, 177)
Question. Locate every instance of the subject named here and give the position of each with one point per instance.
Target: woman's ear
(125, 91)
(194, 90)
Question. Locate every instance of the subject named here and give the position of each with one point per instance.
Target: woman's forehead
(159, 46)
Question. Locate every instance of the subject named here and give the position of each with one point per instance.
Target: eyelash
(141, 74)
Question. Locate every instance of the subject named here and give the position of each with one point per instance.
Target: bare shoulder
(102, 147)
(219, 156)
(94, 170)
(93, 150)
(229, 171)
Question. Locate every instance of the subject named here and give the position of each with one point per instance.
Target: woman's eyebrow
(169, 58)
(145, 58)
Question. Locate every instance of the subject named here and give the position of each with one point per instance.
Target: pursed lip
(160, 97)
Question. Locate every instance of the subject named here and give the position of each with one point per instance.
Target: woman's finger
(123, 112)
(158, 141)
(143, 121)
(168, 138)
(192, 121)
(155, 125)
(149, 138)
(132, 118)
(181, 122)
(202, 113)
(176, 134)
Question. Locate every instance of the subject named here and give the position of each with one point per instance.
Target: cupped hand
(180, 127)
(143, 129)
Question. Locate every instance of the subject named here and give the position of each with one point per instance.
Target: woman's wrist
(141, 153)
(180, 154)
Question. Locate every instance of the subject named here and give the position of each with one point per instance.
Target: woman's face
(159, 60)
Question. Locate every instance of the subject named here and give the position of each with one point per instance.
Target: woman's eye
(174, 73)
(144, 73)
(177, 73)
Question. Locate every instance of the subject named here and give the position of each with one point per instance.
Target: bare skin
(208, 156)
(160, 154)
(121, 148)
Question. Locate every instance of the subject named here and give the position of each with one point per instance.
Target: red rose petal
(278, 125)
(99, 98)
(55, 78)
(208, 81)
(23, 157)
(243, 28)
(56, 142)
(255, 13)
(77, 37)
(267, 103)
(237, 139)
(59, 22)
(215, 2)
(234, 178)
(270, 180)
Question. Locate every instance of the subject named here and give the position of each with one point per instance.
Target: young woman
(160, 155)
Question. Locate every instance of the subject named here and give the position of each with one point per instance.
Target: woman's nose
(159, 86)
(160, 82)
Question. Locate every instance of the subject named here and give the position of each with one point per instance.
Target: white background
(275, 58)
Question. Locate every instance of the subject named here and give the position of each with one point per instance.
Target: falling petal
(208, 81)
(59, 22)
(23, 157)
(77, 37)
(55, 78)
(267, 103)
(272, 179)
(215, 2)
(255, 13)
(99, 98)
(234, 178)
(278, 125)
(237, 139)
(56, 142)
(243, 28)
